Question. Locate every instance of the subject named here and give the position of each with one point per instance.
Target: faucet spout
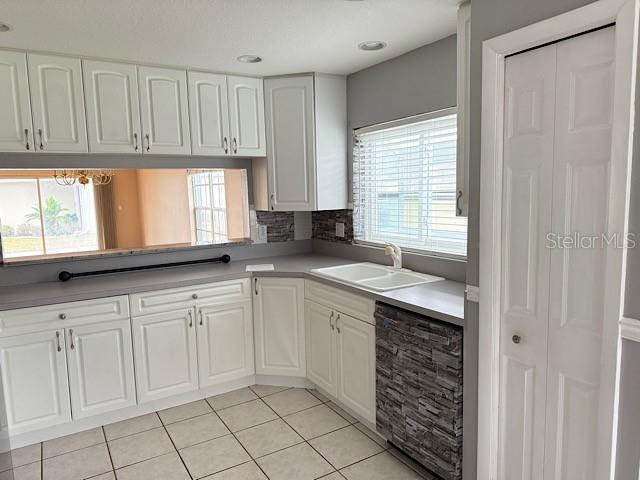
(395, 253)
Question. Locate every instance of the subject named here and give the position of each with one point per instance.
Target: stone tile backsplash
(280, 225)
(324, 225)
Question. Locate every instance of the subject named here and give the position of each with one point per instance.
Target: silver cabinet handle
(458, 198)
(62, 316)
(41, 143)
(26, 139)
(272, 206)
(146, 136)
(190, 319)
(135, 142)
(338, 324)
(58, 341)
(235, 145)
(72, 346)
(200, 313)
(516, 339)
(333, 327)
(255, 285)
(225, 144)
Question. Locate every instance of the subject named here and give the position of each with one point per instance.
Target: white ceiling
(291, 35)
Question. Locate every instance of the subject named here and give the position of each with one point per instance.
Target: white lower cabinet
(225, 343)
(34, 381)
(165, 354)
(100, 362)
(278, 305)
(321, 347)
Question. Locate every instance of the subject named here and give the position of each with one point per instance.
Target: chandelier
(83, 177)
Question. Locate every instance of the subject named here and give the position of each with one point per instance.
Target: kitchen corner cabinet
(16, 129)
(278, 305)
(306, 125)
(57, 103)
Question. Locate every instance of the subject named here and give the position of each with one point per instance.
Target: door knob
(516, 339)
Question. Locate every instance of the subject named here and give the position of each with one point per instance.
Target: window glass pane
(20, 218)
(405, 186)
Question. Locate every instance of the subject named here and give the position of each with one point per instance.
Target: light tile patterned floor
(256, 433)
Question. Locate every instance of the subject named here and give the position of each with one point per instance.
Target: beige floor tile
(165, 467)
(25, 455)
(319, 395)
(315, 421)
(265, 390)
(31, 471)
(345, 446)
(342, 412)
(140, 446)
(213, 456)
(246, 471)
(380, 467)
(246, 415)
(372, 435)
(131, 426)
(77, 465)
(268, 437)
(69, 443)
(5, 461)
(299, 462)
(104, 476)
(230, 399)
(291, 401)
(182, 412)
(332, 476)
(196, 430)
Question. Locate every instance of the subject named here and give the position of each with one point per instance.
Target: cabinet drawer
(185, 297)
(61, 315)
(348, 303)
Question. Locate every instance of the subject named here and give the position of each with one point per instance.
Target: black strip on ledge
(65, 276)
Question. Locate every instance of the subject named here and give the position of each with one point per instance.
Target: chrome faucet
(395, 253)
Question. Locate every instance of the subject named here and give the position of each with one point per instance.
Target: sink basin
(375, 277)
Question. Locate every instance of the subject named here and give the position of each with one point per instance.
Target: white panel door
(225, 342)
(101, 376)
(57, 103)
(528, 164)
(113, 113)
(291, 143)
(581, 341)
(165, 354)
(164, 111)
(321, 346)
(356, 346)
(209, 113)
(278, 307)
(246, 114)
(16, 130)
(34, 381)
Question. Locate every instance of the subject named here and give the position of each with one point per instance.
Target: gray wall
(628, 450)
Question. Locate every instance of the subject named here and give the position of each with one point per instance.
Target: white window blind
(404, 176)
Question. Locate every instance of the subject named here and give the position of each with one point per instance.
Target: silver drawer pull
(72, 346)
(194, 296)
(58, 341)
(62, 316)
(516, 339)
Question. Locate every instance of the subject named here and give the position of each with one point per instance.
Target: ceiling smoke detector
(249, 59)
(372, 45)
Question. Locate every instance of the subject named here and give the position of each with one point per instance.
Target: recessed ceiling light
(249, 59)
(5, 27)
(372, 45)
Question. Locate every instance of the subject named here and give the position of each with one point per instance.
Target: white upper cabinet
(306, 117)
(164, 111)
(246, 114)
(16, 130)
(113, 115)
(209, 114)
(463, 118)
(57, 103)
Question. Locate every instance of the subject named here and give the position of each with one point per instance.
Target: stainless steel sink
(375, 277)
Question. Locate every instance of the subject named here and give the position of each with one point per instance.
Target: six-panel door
(57, 103)
(34, 381)
(225, 342)
(100, 361)
(164, 111)
(246, 114)
(209, 113)
(166, 359)
(16, 130)
(321, 346)
(113, 115)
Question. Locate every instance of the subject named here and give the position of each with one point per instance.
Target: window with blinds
(404, 185)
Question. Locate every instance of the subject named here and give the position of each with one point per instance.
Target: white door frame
(600, 13)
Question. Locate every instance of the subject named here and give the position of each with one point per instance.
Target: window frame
(393, 124)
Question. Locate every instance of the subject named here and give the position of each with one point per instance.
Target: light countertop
(442, 300)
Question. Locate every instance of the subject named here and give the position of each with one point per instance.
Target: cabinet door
(16, 130)
(356, 365)
(291, 143)
(34, 381)
(246, 113)
(113, 114)
(321, 346)
(279, 326)
(164, 111)
(57, 103)
(225, 343)
(209, 113)
(100, 368)
(165, 354)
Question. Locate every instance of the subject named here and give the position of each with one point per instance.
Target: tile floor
(256, 433)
